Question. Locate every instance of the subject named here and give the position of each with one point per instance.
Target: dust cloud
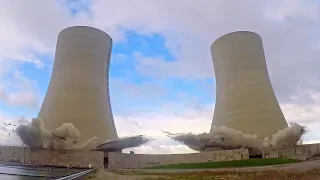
(123, 143)
(34, 134)
(223, 138)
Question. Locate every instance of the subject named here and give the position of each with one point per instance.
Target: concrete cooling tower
(245, 99)
(78, 91)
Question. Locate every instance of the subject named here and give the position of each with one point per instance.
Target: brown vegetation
(209, 175)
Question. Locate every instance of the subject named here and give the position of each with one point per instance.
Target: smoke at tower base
(65, 137)
(223, 138)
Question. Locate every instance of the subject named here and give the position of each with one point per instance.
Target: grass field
(228, 164)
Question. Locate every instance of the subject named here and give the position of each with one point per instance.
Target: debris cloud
(34, 134)
(223, 138)
(123, 143)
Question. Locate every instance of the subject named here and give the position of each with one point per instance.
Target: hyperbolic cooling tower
(78, 91)
(245, 99)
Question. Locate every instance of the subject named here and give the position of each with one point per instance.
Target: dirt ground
(298, 171)
(301, 166)
(107, 175)
(209, 175)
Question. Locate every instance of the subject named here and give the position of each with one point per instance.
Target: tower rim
(234, 32)
(83, 27)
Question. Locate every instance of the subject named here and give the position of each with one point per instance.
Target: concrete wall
(135, 161)
(78, 91)
(245, 99)
(301, 152)
(71, 158)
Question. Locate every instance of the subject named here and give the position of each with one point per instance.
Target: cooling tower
(245, 99)
(78, 91)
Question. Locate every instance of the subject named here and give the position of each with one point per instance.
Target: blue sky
(161, 72)
(123, 67)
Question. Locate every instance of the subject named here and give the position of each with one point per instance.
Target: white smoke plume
(65, 137)
(223, 138)
(288, 137)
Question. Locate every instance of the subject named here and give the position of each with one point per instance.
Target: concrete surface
(21, 172)
(51, 157)
(135, 161)
(245, 99)
(78, 91)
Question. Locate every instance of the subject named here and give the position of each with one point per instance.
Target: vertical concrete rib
(78, 91)
(245, 99)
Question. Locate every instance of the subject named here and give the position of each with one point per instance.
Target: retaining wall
(300, 152)
(49, 157)
(135, 161)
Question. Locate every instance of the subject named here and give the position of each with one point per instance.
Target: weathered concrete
(136, 161)
(245, 99)
(300, 152)
(78, 91)
(64, 158)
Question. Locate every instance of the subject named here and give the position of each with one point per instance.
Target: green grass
(228, 164)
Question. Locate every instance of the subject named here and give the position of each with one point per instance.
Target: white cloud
(312, 142)
(191, 119)
(188, 33)
(156, 148)
(27, 30)
(147, 89)
(305, 114)
(20, 91)
(28, 99)
(7, 135)
(171, 117)
(281, 10)
(289, 30)
(288, 35)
